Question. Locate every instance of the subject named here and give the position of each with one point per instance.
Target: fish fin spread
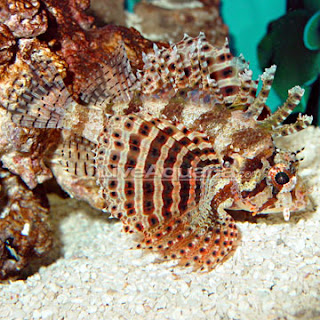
(75, 155)
(302, 122)
(273, 121)
(193, 63)
(45, 101)
(248, 97)
(258, 104)
(73, 165)
(200, 247)
(132, 159)
(113, 83)
(131, 147)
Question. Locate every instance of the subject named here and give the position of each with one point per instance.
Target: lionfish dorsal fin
(273, 122)
(193, 63)
(113, 81)
(248, 89)
(302, 122)
(44, 100)
(258, 104)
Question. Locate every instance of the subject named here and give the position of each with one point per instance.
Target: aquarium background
(281, 32)
(285, 33)
(248, 28)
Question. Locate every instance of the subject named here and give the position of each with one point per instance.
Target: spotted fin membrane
(162, 179)
(147, 169)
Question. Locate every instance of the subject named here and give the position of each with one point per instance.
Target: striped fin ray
(150, 75)
(131, 143)
(45, 99)
(193, 63)
(303, 121)
(259, 102)
(73, 165)
(114, 82)
(273, 122)
(248, 90)
(198, 246)
(198, 57)
(196, 141)
(200, 238)
(207, 67)
(75, 154)
(224, 69)
(191, 73)
(147, 168)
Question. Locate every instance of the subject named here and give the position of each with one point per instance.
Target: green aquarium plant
(284, 33)
(292, 43)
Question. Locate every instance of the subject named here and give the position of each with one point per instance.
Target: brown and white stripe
(150, 173)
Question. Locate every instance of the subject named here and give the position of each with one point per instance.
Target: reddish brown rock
(22, 150)
(24, 18)
(7, 43)
(108, 11)
(24, 231)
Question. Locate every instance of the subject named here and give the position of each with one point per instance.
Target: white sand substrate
(93, 273)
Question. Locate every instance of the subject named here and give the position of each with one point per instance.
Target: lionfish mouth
(288, 202)
(296, 200)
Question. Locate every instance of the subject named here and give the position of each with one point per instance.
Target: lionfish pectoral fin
(75, 155)
(199, 246)
(44, 103)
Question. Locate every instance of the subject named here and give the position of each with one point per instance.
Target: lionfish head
(271, 185)
(268, 180)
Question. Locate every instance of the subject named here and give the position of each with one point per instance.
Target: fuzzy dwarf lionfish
(175, 146)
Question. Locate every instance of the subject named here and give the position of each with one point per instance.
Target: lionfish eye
(282, 178)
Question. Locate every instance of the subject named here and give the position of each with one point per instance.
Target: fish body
(174, 146)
